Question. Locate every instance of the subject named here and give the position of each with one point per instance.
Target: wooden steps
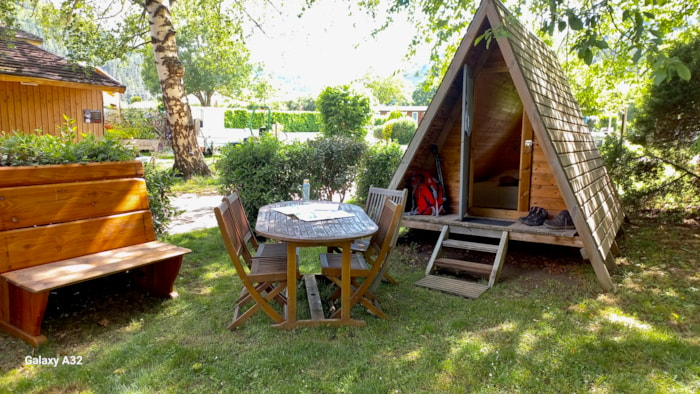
(465, 287)
(453, 286)
(465, 266)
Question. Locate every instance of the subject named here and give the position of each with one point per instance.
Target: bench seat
(65, 224)
(62, 273)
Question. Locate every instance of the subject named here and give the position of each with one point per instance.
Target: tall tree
(95, 32)
(389, 90)
(629, 33)
(343, 112)
(212, 50)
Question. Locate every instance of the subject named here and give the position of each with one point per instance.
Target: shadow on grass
(546, 327)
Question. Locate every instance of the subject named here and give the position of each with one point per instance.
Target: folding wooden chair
(273, 250)
(373, 208)
(371, 264)
(265, 280)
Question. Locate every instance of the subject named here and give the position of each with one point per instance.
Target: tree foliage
(664, 165)
(670, 113)
(424, 93)
(343, 113)
(95, 32)
(634, 30)
(388, 91)
(212, 50)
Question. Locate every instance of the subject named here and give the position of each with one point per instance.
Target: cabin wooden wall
(27, 108)
(544, 191)
(450, 156)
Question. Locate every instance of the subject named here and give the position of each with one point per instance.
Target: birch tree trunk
(189, 160)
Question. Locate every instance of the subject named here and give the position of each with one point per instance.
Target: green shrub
(333, 165)
(401, 130)
(135, 123)
(377, 167)
(261, 172)
(291, 121)
(343, 112)
(159, 185)
(264, 170)
(33, 149)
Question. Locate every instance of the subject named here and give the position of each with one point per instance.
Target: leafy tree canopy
(670, 112)
(618, 45)
(343, 113)
(212, 50)
(389, 91)
(424, 93)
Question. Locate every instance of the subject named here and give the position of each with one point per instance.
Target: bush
(400, 130)
(265, 171)
(333, 165)
(32, 149)
(159, 185)
(343, 112)
(135, 123)
(261, 172)
(377, 167)
(291, 121)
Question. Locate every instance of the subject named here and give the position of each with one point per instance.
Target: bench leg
(158, 278)
(21, 312)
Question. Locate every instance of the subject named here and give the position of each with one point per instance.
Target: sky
(327, 47)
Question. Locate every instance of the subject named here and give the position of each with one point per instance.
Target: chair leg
(390, 279)
(261, 302)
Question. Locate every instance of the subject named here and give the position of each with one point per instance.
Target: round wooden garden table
(327, 224)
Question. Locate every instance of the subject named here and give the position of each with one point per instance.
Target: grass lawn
(546, 327)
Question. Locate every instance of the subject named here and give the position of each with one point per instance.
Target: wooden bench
(61, 225)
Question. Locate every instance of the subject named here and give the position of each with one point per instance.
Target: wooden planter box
(38, 175)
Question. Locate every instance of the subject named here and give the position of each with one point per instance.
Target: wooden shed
(37, 88)
(510, 136)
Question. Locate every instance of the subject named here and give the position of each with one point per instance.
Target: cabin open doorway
(501, 141)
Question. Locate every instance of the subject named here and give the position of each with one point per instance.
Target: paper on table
(314, 212)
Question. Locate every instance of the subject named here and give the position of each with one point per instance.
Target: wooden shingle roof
(21, 61)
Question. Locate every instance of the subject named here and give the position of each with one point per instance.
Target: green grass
(545, 328)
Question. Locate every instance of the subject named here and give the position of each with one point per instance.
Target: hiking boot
(563, 221)
(536, 217)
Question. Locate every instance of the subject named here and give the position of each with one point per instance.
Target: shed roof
(21, 61)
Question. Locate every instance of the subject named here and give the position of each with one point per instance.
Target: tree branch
(674, 165)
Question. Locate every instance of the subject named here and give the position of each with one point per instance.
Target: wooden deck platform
(517, 230)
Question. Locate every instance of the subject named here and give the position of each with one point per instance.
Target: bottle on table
(305, 190)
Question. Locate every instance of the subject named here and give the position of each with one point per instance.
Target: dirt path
(198, 212)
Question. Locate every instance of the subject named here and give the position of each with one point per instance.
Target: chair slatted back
(375, 200)
(233, 243)
(382, 242)
(246, 233)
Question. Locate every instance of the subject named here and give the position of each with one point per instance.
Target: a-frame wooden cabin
(510, 136)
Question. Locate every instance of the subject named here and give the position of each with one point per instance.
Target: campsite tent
(511, 136)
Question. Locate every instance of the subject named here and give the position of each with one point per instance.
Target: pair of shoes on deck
(536, 217)
(562, 222)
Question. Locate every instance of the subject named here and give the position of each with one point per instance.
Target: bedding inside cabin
(499, 191)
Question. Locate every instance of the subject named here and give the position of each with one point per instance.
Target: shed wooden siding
(544, 191)
(27, 108)
(568, 139)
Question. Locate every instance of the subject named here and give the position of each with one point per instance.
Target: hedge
(292, 121)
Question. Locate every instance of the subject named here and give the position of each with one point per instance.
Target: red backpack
(428, 198)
